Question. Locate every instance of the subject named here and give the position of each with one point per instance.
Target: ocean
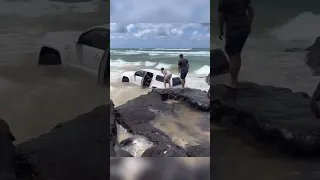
(155, 58)
(294, 24)
(35, 98)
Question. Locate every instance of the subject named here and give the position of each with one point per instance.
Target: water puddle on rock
(137, 146)
(186, 127)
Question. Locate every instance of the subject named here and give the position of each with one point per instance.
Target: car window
(159, 78)
(176, 81)
(140, 73)
(96, 38)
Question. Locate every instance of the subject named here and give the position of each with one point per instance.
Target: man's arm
(188, 65)
(179, 66)
(221, 18)
(250, 12)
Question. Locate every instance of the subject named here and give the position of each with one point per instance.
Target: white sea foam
(204, 70)
(305, 27)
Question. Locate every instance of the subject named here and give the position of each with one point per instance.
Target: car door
(104, 70)
(91, 47)
(138, 76)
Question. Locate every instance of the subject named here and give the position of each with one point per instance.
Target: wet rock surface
(273, 115)
(136, 115)
(313, 57)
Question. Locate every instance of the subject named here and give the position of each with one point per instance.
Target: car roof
(103, 26)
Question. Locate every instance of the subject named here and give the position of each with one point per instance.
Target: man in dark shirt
(183, 69)
(237, 16)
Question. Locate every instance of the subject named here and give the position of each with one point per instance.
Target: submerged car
(149, 78)
(83, 50)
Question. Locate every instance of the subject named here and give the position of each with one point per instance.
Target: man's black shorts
(183, 74)
(235, 41)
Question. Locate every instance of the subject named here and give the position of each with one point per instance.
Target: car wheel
(49, 56)
(125, 79)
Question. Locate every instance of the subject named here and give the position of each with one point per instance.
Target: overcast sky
(160, 35)
(160, 11)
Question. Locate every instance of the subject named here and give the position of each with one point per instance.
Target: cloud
(159, 34)
(160, 11)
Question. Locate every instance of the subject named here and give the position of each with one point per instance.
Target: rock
(294, 50)
(7, 152)
(136, 115)
(271, 114)
(198, 151)
(78, 149)
(113, 131)
(126, 142)
(315, 102)
(208, 79)
(313, 57)
(308, 48)
(122, 153)
(219, 63)
(164, 150)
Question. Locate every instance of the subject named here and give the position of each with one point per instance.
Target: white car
(82, 50)
(149, 78)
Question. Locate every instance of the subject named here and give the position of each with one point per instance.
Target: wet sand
(35, 98)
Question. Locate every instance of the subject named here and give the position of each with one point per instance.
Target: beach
(155, 58)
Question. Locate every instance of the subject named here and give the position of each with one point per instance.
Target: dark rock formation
(7, 152)
(219, 63)
(77, 149)
(294, 50)
(313, 57)
(136, 115)
(315, 102)
(273, 115)
(199, 151)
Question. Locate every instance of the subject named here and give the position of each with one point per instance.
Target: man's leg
(164, 82)
(235, 66)
(234, 45)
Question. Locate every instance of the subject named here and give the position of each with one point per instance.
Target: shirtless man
(167, 77)
(237, 16)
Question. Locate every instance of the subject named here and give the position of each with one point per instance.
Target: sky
(160, 23)
(160, 35)
(160, 11)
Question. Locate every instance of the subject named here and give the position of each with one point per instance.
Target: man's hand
(221, 34)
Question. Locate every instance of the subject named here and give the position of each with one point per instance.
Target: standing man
(166, 77)
(183, 69)
(237, 16)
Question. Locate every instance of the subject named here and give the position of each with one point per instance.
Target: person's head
(181, 56)
(162, 69)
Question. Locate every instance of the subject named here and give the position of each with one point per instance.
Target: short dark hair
(181, 55)
(162, 69)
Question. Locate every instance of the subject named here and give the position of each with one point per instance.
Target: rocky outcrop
(76, 149)
(219, 63)
(271, 114)
(315, 102)
(313, 57)
(136, 115)
(7, 152)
